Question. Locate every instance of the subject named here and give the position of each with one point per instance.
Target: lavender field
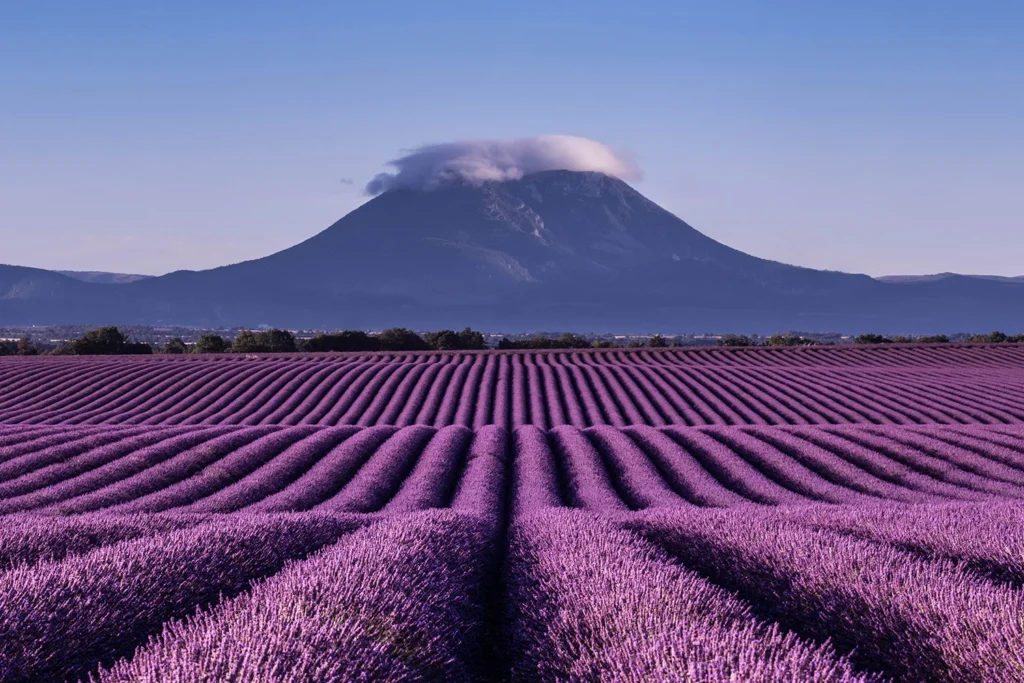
(810, 385)
(828, 514)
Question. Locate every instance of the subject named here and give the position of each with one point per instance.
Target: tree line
(111, 341)
(394, 339)
(797, 340)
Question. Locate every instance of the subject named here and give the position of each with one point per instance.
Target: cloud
(480, 161)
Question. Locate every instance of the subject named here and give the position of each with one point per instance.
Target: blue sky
(876, 137)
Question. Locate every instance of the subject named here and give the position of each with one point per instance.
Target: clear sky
(876, 136)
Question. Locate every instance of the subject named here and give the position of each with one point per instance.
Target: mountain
(553, 250)
(36, 296)
(910, 279)
(102, 278)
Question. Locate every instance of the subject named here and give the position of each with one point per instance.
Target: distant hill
(553, 250)
(911, 279)
(102, 278)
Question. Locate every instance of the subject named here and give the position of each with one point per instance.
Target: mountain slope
(555, 227)
(914, 279)
(555, 250)
(102, 278)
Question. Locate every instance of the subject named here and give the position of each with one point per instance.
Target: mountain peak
(582, 183)
(586, 183)
(464, 242)
(104, 278)
(565, 249)
(481, 161)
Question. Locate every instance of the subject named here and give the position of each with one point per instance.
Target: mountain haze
(103, 278)
(911, 279)
(551, 250)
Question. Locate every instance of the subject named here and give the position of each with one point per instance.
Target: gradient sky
(878, 137)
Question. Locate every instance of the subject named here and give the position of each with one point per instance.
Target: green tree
(103, 341)
(247, 342)
(277, 341)
(175, 346)
(657, 342)
(572, 341)
(443, 340)
(871, 339)
(538, 341)
(789, 340)
(210, 343)
(735, 340)
(471, 340)
(349, 340)
(25, 347)
(136, 349)
(933, 339)
(400, 339)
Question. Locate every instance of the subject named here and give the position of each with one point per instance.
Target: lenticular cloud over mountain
(480, 161)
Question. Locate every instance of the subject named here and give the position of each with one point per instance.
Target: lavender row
(28, 539)
(543, 389)
(41, 484)
(910, 618)
(986, 537)
(60, 620)
(979, 356)
(408, 598)
(588, 601)
(609, 471)
(673, 593)
(401, 600)
(390, 470)
(222, 469)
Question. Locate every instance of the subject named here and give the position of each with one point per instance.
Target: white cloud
(480, 161)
